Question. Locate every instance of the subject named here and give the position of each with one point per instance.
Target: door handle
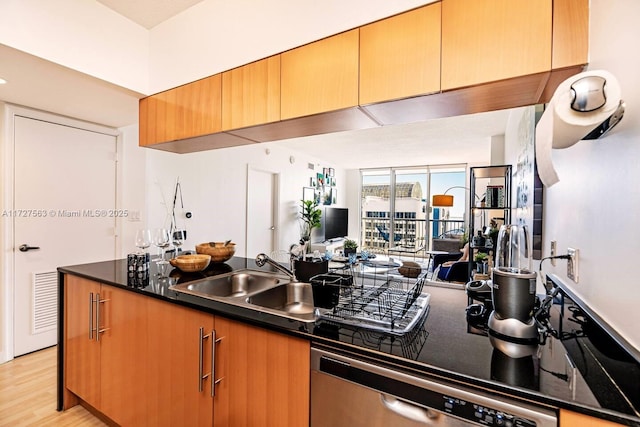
(24, 247)
(273, 227)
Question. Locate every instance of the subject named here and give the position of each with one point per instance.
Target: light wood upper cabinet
(400, 56)
(489, 40)
(570, 33)
(251, 94)
(265, 377)
(321, 76)
(187, 111)
(471, 56)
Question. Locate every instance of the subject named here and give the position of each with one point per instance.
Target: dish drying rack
(381, 301)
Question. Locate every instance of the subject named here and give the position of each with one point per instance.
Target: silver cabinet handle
(97, 301)
(214, 381)
(213, 363)
(407, 410)
(201, 375)
(90, 316)
(99, 330)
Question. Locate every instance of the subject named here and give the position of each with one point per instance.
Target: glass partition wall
(396, 208)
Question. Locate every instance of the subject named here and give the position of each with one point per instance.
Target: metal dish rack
(381, 301)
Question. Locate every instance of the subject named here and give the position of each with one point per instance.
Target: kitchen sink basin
(236, 284)
(261, 291)
(291, 298)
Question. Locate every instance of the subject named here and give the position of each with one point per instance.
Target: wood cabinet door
(191, 110)
(123, 356)
(198, 108)
(81, 353)
(321, 76)
(570, 33)
(174, 363)
(573, 419)
(264, 377)
(400, 56)
(484, 40)
(251, 94)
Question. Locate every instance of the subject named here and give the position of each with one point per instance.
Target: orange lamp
(442, 200)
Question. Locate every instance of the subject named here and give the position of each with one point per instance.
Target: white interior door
(64, 200)
(261, 212)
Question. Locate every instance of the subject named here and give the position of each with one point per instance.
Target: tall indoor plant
(310, 216)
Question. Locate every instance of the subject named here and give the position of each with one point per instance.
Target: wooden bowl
(218, 251)
(191, 263)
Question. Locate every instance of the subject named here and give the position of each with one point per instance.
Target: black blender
(512, 323)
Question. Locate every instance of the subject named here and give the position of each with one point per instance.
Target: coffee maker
(513, 289)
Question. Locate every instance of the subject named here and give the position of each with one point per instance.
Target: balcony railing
(376, 235)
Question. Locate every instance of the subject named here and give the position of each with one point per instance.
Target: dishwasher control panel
(482, 414)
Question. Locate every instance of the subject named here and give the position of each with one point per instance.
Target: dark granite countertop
(442, 345)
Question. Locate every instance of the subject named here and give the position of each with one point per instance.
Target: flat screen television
(336, 223)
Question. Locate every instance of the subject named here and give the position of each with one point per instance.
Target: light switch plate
(572, 264)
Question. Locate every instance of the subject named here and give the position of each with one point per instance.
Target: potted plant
(481, 260)
(350, 247)
(310, 216)
(305, 268)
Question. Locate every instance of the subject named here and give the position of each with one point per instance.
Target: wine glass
(162, 241)
(179, 235)
(143, 240)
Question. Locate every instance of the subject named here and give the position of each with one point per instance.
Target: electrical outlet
(553, 252)
(572, 264)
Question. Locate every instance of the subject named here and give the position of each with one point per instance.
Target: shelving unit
(495, 181)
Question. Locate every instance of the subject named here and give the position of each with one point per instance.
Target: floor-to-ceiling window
(448, 221)
(396, 206)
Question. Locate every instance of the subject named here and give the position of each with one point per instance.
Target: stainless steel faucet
(262, 259)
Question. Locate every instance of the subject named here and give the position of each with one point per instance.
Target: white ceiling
(37, 83)
(461, 139)
(149, 13)
(43, 85)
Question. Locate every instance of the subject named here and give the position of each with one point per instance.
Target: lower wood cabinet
(573, 419)
(105, 350)
(82, 351)
(264, 377)
(145, 362)
(178, 366)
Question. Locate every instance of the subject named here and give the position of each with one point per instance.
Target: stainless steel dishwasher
(351, 393)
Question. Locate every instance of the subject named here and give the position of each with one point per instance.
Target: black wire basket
(326, 288)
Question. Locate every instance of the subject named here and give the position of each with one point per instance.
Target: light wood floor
(28, 394)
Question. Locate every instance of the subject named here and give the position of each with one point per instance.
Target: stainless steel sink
(257, 290)
(237, 284)
(292, 298)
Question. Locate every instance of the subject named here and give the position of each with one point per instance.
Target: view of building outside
(401, 214)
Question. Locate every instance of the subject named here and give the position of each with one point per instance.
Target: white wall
(131, 187)
(214, 188)
(594, 206)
